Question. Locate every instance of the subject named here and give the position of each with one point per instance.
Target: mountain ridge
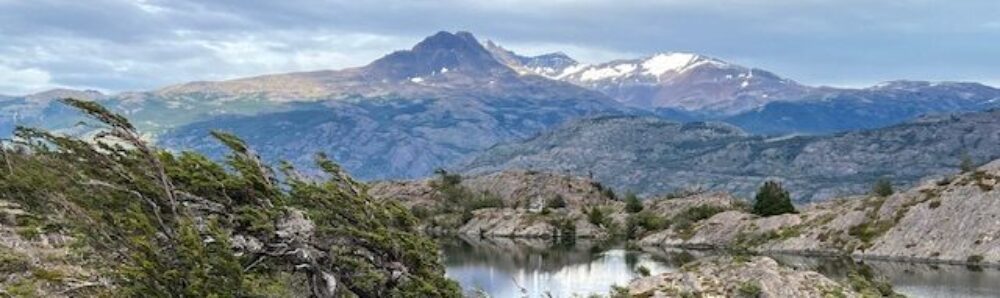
(648, 155)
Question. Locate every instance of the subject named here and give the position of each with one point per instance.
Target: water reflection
(912, 279)
(537, 268)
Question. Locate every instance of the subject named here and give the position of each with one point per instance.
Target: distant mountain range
(651, 155)
(451, 97)
(693, 87)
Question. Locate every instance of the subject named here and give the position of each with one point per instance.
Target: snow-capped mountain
(549, 65)
(682, 81)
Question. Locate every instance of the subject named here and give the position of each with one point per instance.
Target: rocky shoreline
(950, 221)
(953, 220)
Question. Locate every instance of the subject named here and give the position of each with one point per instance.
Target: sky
(129, 45)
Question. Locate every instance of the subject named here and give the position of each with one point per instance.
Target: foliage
(749, 289)
(642, 270)
(610, 194)
(973, 259)
(565, 229)
(644, 221)
(882, 187)
(966, 164)
(772, 200)
(632, 203)
(868, 231)
(556, 202)
(598, 217)
(684, 221)
(164, 225)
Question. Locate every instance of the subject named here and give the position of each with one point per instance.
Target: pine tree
(771, 200)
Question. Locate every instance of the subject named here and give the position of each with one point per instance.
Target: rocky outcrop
(517, 188)
(738, 277)
(528, 208)
(951, 220)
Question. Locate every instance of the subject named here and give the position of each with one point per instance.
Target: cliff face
(948, 220)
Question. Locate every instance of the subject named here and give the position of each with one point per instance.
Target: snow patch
(571, 70)
(444, 70)
(417, 80)
(595, 74)
(662, 63)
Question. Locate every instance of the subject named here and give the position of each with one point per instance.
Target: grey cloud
(135, 44)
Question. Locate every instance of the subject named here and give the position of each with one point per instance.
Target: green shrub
(974, 259)
(642, 270)
(598, 217)
(882, 187)
(556, 202)
(966, 164)
(645, 220)
(772, 200)
(632, 203)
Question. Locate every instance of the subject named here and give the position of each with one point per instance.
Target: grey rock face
(727, 277)
(651, 156)
(950, 220)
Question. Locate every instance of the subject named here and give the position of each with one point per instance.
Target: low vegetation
(772, 200)
(882, 187)
(158, 223)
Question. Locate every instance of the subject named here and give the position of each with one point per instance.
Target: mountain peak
(460, 40)
(440, 53)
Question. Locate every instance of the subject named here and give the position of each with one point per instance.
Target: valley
(433, 170)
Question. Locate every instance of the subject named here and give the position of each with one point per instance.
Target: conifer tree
(772, 199)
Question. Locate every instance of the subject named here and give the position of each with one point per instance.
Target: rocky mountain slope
(398, 117)
(450, 97)
(406, 113)
(838, 110)
(649, 155)
(950, 220)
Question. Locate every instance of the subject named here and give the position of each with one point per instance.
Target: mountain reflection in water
(538, 268)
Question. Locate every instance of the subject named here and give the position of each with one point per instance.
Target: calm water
(536, 268)
(915, 280)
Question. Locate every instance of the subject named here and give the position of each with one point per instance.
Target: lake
(501, 267)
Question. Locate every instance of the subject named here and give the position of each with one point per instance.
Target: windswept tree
(156, 224)
(772, 199)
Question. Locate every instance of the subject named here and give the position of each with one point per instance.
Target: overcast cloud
(118, 45)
